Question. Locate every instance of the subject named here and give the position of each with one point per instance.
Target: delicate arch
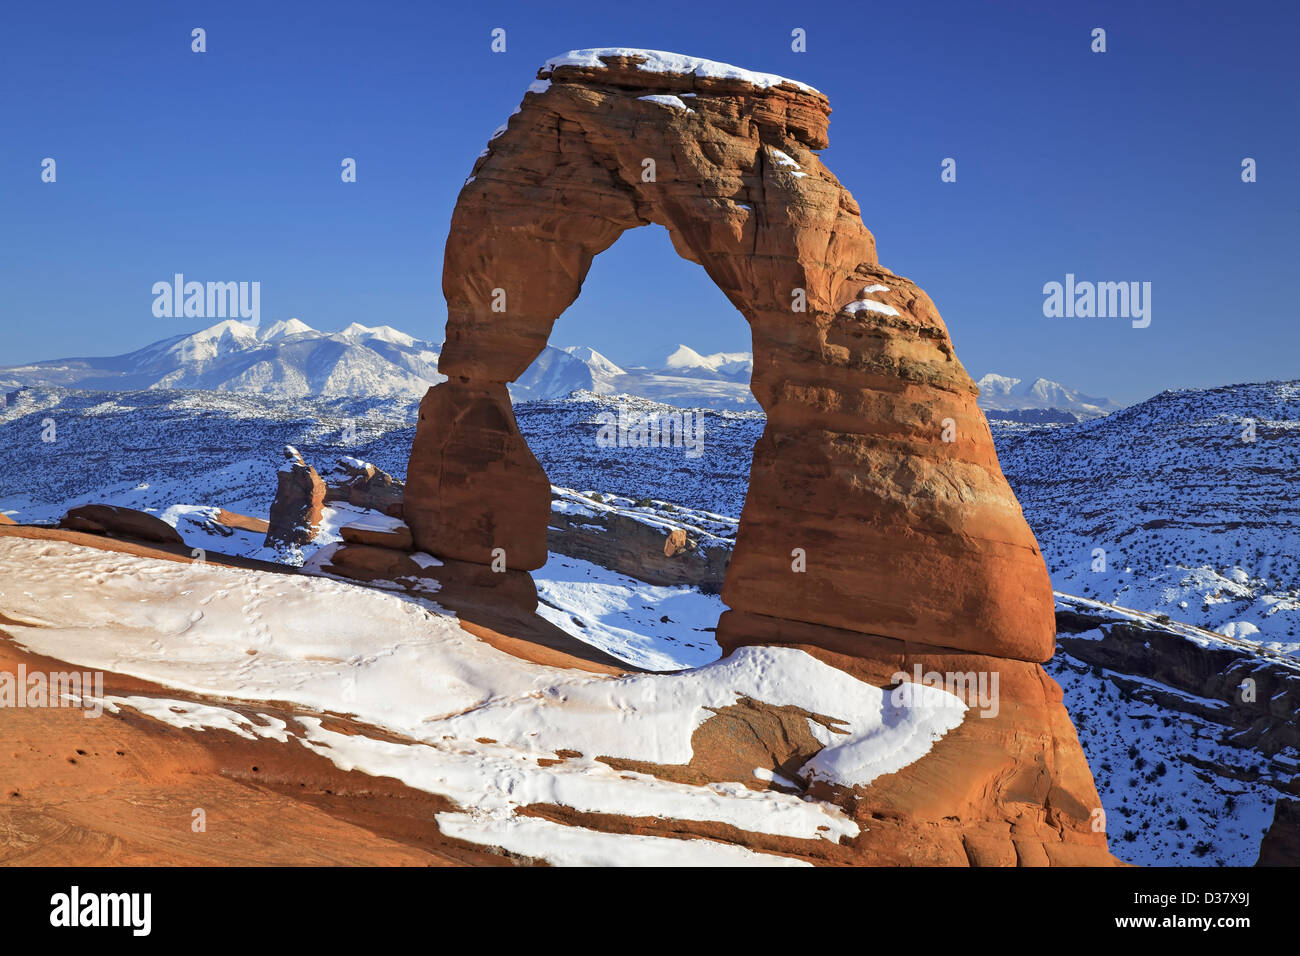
(903, 533)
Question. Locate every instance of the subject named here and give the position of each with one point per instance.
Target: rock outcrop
(120, 522)
(876, 503)
(648, 545)
(1010, 786)
(299, 501)
(1281, 844)
(220, 522)
(1250, 694)
(5, 519)
(396, 537)
(362, 484)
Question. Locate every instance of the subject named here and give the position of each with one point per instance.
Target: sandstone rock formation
(117, 521)
(299, 500)
(396, 538)
(1010, 786)
(878, 533)
(5, 519)
(231, 520)
(362, 484)
(1001, 791)
(219, 521)
(876, 503)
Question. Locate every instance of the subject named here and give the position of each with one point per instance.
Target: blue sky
(1122, 166)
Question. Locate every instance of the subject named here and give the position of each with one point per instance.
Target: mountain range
(291, 360)
(1039, 401)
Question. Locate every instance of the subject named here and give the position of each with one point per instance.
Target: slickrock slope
(770, 756)
(901, 532)
(1009, 786)
(122, 790)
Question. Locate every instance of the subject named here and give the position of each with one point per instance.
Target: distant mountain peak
(732, 367)
(283, 329)
(1018, 398)
(591, 357)
(384, 333)
(995, 384)
(232, 327)
(685, 357)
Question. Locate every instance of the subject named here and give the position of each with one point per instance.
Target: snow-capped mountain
(291, 360)
(735, 366)
(685, 378)
(557, 372)
(597, 362)
(285, 360)
(1038, 401)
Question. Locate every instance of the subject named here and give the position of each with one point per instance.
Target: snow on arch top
(659, 61)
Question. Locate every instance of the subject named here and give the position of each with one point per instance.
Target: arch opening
(641, 300)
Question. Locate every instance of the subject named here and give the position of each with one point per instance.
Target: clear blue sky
(225, 166)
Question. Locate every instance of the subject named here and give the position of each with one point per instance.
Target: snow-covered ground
(1196, 524)
(472, 722)
(1002, 396)
(154, 449)
(1194, 521)
(1185, 504)
(658, 628)
(1161, 808)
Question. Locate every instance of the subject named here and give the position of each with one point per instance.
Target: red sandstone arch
(905, 535)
